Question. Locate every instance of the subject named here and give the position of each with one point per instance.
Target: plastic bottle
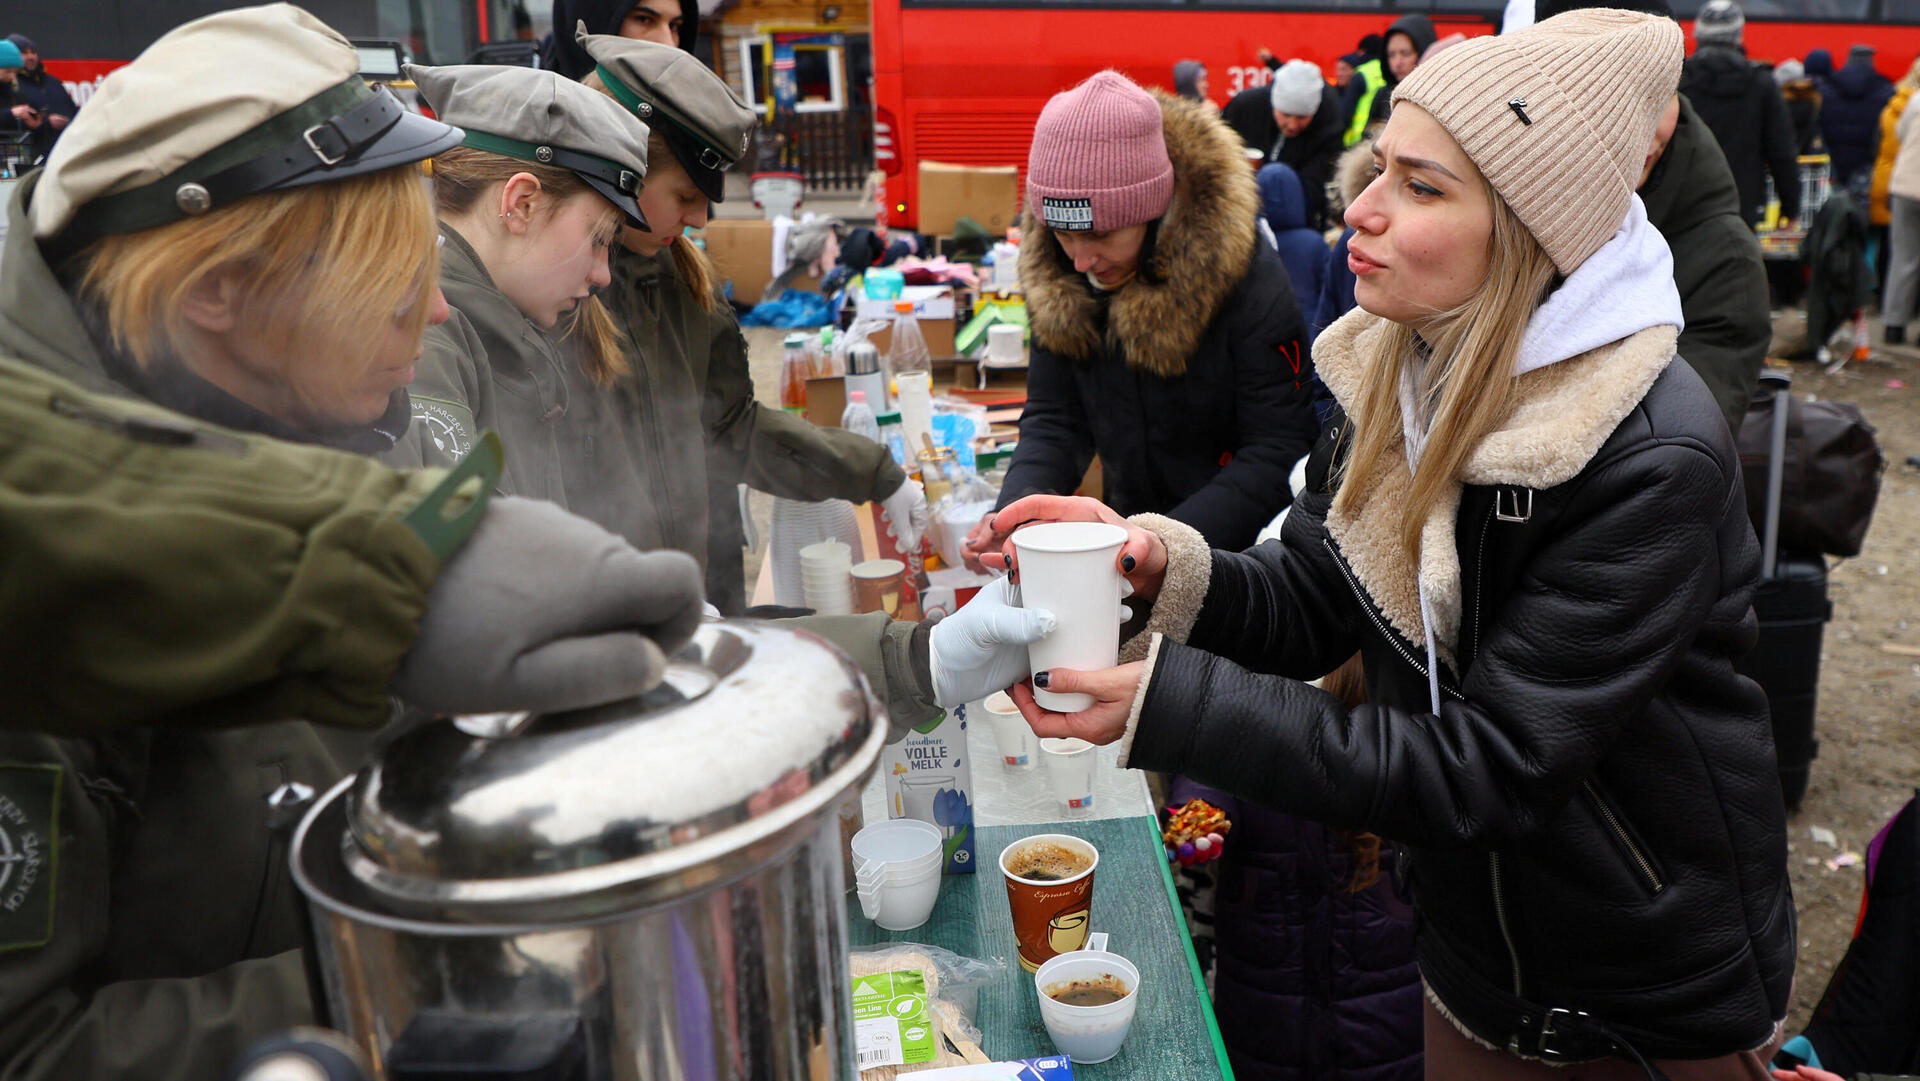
(893, 439)
(859, 417)
(795, 369)
(912, 366)
(830, 359)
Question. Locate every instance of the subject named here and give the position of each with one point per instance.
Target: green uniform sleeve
(445, 398)
(777, 452)
(67, 1006)
(156, 570)
(892, 655)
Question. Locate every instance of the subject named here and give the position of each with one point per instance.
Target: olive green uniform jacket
(147, 928)
(640, 457)
(678, 342)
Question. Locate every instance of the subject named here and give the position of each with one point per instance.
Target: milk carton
(930, 778)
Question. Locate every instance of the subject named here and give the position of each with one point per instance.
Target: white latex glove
(906, 511)
(982, 648)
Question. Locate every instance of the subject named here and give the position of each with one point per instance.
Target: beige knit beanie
(1558, 117)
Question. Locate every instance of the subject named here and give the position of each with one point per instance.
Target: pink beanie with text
(1099, 158)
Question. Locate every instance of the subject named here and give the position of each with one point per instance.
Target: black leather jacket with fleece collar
(1592, 817)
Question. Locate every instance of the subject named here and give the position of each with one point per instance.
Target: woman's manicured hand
(1112, 688)
(1142, 559)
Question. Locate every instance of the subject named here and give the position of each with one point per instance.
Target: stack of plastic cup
(826, 574)
(896, 872)
(798, 524)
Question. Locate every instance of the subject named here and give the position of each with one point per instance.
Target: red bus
(962, 81)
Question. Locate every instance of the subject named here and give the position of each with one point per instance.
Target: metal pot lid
(753, 727)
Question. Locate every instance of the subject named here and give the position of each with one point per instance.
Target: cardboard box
(742, 251)
(929, 302)
(989, 194)
(937, 332)
(930, 777)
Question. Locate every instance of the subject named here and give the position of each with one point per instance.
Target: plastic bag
(951, 985)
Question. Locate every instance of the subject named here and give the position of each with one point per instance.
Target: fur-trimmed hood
(1204, 247)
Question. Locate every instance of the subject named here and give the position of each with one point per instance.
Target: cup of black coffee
(1049, 880)
(1087, 1001)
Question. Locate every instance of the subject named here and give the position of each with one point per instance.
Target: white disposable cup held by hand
(1070, 765)
(1070, 569)
(1088, 1034)
(1019, 747)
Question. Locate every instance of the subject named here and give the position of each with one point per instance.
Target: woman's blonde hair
(319, 263)
(461, 174)
(1911, 80)
(1469, 386)
(694, 268)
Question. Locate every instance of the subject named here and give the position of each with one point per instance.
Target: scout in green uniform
(681, 335)
(234, 227)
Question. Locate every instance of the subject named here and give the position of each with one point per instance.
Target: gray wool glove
(542, 610)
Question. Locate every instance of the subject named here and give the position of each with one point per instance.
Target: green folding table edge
(1193, 959)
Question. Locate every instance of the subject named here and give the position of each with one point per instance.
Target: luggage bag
(1793, 609)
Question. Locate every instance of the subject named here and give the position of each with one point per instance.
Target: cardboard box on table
(989, 194)
(742, 251)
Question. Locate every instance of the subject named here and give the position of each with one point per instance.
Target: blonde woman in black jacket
(1530, 521)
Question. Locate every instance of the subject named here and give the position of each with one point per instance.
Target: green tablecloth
(1173, 1036)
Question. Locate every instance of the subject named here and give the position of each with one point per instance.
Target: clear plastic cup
(1070, 569)
(1019, 747)
(1087, 1034)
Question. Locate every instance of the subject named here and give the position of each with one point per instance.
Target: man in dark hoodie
(1852, 101)
(1691, 197)
(1740, 102)
(669, 22)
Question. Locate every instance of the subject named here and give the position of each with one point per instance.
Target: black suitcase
(1792, 606)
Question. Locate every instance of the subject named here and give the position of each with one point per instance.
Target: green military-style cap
(539, 116)
(704, 122)
(220, 108)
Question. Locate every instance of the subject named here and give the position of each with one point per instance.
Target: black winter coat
(1717, 267)
(1592, 820)
(1850, 105)
(1313, 153)
(1739, 100)
(1188, 382)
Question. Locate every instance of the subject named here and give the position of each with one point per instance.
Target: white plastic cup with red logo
(1070, 767)
(1019, 748)
(1071, 569)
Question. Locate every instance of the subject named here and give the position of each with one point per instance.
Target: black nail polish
(1126, 564)
(1041, 679)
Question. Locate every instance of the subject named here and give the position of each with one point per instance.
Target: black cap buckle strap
(712, 159)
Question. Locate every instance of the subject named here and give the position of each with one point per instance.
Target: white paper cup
(1019, 747)
(1088, 1034)
(1070, 764)
(1069, 568)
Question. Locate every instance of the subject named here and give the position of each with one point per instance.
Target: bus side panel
(968, 83)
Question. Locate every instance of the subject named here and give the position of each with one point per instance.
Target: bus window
(1807, 10)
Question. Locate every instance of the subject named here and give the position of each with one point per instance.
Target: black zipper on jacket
(1373, 613)
(1625, 839)
(1500, 917)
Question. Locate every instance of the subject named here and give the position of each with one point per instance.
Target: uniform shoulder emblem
(29, 838)
(449, 427)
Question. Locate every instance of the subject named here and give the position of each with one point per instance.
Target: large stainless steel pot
(651, 889)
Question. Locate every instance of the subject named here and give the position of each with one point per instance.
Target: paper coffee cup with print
(1071, 569)
(1049, 880)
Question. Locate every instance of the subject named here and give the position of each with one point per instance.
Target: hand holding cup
(1142, 559)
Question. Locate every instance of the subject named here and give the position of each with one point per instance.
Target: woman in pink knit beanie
(1530, 522)
(1165, 336)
